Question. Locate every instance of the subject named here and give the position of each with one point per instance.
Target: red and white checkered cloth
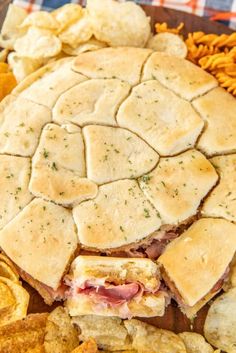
(222, 10)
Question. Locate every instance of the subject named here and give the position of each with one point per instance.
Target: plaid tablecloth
(221, 10)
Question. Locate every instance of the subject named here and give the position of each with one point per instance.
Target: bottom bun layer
(149, 305)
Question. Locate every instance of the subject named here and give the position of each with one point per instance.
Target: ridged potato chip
(38, 43)
(23, 66)
(10, 28)
(78, 32)
(89, 346)
(119, 24)
(24, 336)
(168, 43)
(41, 19)
(60, 335)
(220, 324)
(67, 14)
(195, 343)
(90, 45)
(19, 308)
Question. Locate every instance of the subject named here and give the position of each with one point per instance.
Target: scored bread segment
(47, 84)
(124, 63)
(41, 231)
(164, 120)
(218, 109)
(179, 75)
(91, 102)
(115, 153)
(178, 184)
(21, 122)
(14, 176)
(58, 167)
(222, 200)
(192, 253)
(119, 215)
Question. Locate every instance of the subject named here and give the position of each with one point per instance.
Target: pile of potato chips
(39, 37)
(14, 299)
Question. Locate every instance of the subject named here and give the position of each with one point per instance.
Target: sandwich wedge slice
(112, 286)
(196, 265)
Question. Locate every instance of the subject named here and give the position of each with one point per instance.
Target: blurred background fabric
(223, 11)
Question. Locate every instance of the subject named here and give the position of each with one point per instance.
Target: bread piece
(222, 200)
(218, 109)
(198, 259)
(114, 153)
(91, 102)
(119, 215)
(179, 75)
(115, 269)
(21, 122)
(124, 63)
(178, 184)
(164, 120)
(41, 241)
(58, 173)
(60, 185)
(14, 181)
(58, 144)
(47, 84)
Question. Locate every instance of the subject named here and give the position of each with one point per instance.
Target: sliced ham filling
(152, 247)
(112, 295)
(47, 293)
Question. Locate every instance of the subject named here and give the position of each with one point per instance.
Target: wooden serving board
(173, 319)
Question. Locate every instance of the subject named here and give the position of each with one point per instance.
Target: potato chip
(78, 32)
(10, 31)
(19, 309)
(24, 336)
(108, 332)
(22, 66)
(7, 83)
(89, 346)
(3, 55)
(90, 45)
(195, 343)
(60, 336)
(129, 351)
(7, 272)
(119, 24)
(7, 299)
(149, 339)
(6, 260)
(41, 19)
(169, 43)
(38, 43)
(220, 324)
(67, 14)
